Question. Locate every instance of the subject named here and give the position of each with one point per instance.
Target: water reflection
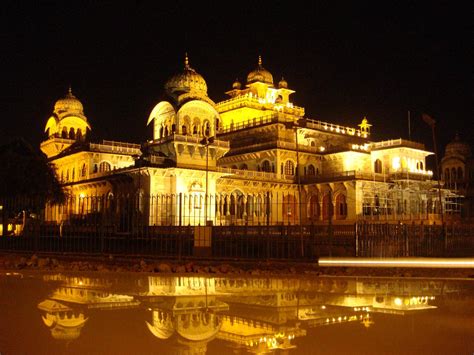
(188, 314)
(253, 314)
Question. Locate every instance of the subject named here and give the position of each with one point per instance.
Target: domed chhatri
(458, 147)
(188, 81)
(69, 105)
(236, 85)
(283, 84)
(260, 74)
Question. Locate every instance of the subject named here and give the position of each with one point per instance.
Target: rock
(164, 267)
(43, 262)
(225, 268)
(189, 267)
(21, 264)
(180, 269)
(203, 270)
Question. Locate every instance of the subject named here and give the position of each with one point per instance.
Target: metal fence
(103, 231)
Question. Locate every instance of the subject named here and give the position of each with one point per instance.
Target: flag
(428, 120)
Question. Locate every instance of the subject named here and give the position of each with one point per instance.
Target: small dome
(260, 74)
(236, 85)
(458, 147)
(283, 84)
(69, 104)
(188, 81)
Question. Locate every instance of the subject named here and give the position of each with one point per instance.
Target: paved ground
(62, 263)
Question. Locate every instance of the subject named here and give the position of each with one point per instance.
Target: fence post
(356, 231)
(405, 231)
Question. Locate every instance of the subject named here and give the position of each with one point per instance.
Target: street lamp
(206, 141)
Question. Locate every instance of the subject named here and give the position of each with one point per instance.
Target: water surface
(78, 313)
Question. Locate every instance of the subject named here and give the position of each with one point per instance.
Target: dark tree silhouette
(27, 180)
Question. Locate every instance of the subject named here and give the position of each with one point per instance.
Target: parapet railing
(259, 175)
(397, 142)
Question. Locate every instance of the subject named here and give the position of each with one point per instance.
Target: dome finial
(260, 60)
(186, 61)
(69, 90)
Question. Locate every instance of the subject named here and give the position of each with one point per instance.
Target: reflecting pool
(77, 313)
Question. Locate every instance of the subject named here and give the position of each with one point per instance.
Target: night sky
(344, 62)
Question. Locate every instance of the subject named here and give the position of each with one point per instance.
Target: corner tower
(67, 125)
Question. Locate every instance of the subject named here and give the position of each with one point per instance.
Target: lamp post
(206, 141)
(432, 123)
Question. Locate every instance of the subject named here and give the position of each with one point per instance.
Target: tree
(27, 180)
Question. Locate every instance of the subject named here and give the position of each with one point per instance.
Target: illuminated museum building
(256, 156)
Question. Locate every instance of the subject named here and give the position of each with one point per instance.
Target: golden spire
(260, 60)
(186, 61)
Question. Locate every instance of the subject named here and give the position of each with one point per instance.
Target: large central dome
(69, 105)
(188, 81)
(260, 74)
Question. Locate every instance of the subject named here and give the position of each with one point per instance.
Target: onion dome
(69, 105)
(283, 84)
(260, 74)
(236, 85)
(188, 81)
(458, 147)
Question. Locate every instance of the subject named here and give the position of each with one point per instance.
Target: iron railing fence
(118, 225)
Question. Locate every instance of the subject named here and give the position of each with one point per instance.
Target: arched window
(378, 166)
(195, 129)
(79, 134)
(311, 171)
(314, 210)
(173, 128)
(83, 170)
(266, 166)
(64, 132)
(207, 129)
(95, 169)
(72, 135)
(341, 206)
(184, 130)
(312, 144)
(421, 165)
(244, 167)
(104, 166)
(166, 131)
(327, 207)
(217, 124)
(73, 174)
(67, 175)
(289, 168)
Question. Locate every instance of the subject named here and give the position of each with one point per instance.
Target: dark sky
(344, 62)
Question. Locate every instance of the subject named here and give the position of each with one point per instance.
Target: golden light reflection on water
(215, 315)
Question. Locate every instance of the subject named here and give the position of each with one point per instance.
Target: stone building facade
(255, 158)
